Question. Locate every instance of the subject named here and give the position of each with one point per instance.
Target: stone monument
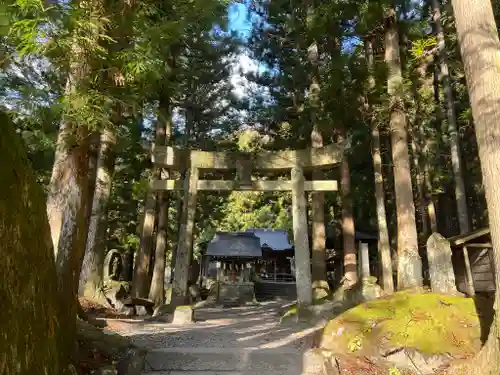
(440, 265)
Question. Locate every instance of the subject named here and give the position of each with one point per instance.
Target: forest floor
(90, 357)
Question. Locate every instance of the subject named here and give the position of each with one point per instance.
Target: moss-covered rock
(429, 323)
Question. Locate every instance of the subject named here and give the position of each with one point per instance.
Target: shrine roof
(234, 244)
(274, 239)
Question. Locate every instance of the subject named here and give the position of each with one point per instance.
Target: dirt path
(236, 341)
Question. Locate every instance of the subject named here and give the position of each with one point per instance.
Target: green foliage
(133, 65)
(421, 47)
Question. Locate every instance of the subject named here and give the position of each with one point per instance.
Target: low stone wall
(237, 293)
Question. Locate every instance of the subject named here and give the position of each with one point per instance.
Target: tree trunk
(143, 260)
(349, 241)
(409, 262)
(34, 337)
(317, 198)
(66, 209)
(384, 247)
(456, 157)
(419, 85)
(157, 291)
(91, 277)
(318, 227)
(479, 46)
(140, 285)
(93, 159)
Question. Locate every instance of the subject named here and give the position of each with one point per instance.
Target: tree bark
(348, 229)
(142, 261)
(91, 277)
(317, 198)
(479, 46)
(421, 88)
(456, 157)
(34, 337)
(93, 159)
(157, 291)
(66, 209)
(318, 227)
(384, 246)
(409, 262)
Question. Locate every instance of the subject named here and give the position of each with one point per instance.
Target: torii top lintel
(176, 158)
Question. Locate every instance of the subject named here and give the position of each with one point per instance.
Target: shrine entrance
(196, 163)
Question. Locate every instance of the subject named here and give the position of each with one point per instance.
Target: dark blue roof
(235, 244)
(275, 239)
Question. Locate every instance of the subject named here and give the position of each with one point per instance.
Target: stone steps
(268, 291)
(223, 361)
(245, 372)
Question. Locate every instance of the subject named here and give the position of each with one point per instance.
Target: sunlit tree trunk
(409, 262)
(157, 291)
(91, 277)
(34, 339)
(480, 49)
(348, 230)
(317, 198)
(142, 262)
(67, 212)
(456, 157)
(422, 91)
(384, 247)
(348, 236)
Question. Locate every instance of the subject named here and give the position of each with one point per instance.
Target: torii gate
(294, 161)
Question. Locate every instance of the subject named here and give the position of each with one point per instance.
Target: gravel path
(245, 340)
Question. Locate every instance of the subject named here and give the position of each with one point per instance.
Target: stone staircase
(247, 340)
(267, 291)
(223, 361)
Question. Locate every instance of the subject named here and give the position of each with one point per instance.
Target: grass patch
(430, 323)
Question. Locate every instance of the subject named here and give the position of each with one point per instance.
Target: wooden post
(468, 275)
(365, 260)
(492, 265)
(185, 243)
(301, 240)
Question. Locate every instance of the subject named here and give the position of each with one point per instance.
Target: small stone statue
(116, 268)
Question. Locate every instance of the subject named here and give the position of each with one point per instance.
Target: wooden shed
(473, 261)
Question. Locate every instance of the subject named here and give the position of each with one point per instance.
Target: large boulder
(406, 329)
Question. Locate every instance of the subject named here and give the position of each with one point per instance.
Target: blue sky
(238, 19)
